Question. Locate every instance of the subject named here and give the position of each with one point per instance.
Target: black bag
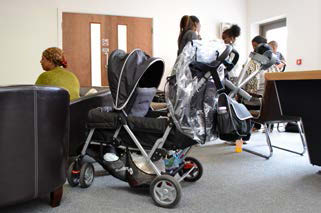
(292, 127)
(233, 119)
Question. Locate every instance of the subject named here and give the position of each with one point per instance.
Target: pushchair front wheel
(87, 175)
(194, 169)
(165, 191)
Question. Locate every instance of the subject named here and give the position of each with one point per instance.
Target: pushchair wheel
(87, 175)
(165, 191)
(73, 175)
(196, 173)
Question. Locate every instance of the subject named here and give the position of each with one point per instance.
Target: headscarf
(56, 56)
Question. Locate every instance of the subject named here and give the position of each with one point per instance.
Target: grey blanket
(142, 102)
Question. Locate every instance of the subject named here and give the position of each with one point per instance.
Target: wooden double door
(77, 37)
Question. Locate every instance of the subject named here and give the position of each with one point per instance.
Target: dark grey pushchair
(141, 147)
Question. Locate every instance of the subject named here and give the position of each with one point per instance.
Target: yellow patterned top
(256, 84)
(63, 78)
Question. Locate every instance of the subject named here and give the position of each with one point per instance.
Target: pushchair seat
(146, 129)
(102, 119)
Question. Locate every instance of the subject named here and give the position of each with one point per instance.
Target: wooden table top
(296, 75)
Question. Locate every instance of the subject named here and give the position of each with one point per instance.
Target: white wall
(27, 30)
(304, 28)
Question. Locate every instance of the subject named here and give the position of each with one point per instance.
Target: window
(95, 54)
(122, 37)
(276, 31)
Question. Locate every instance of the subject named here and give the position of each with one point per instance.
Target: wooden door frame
(60, 11)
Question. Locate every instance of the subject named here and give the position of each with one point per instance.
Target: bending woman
(54, 63)
(190, 27)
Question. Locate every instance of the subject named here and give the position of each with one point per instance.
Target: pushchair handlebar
(225, 54)
(229, 51)
(230, 65)
(211, 68)
(208, 70)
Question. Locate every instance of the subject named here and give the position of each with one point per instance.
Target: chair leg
(302, 135)
(278, 127)
(300, 126)
(55, 197)
(267, 129)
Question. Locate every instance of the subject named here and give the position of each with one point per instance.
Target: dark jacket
(188, 36)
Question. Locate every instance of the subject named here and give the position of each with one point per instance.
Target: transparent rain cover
(191, 103)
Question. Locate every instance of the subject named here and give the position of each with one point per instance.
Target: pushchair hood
(128, 71)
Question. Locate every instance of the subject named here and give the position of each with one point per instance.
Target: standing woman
(229, 35)
(53, 62)
(190, 27)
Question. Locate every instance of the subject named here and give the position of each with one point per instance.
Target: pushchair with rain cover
(194, 93)
(149, 150)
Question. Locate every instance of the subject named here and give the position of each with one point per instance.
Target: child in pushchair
(147, 148)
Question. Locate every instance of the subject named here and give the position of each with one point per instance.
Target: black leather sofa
(79, 112)
(34, 131)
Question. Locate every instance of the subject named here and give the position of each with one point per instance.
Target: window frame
(272, 25)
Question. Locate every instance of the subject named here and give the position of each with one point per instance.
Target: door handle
(106, 52)
(106, 65)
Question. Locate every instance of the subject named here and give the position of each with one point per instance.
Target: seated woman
(54, 63)
(280, 61)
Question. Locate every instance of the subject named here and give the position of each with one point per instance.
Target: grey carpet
(232, 182)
